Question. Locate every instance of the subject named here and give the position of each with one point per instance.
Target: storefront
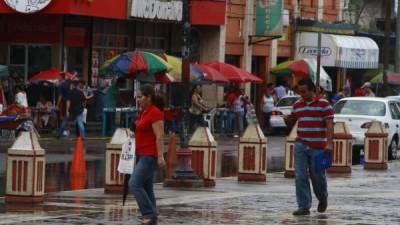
(339, 53)
(39, 35)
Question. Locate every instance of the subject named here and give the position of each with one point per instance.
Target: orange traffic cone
(77, 175)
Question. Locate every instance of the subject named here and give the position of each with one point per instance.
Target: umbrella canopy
(303, 68)
(132, 63)
(4, 71)
(52, 76)
(234, 74)
(176, 72)
(391, 78)
(210, 74)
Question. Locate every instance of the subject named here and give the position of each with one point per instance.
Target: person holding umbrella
(149, 137)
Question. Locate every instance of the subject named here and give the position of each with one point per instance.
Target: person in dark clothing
(74, 108)
(63, 90)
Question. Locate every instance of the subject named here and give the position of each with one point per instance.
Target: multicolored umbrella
(132, 63)
(303, 68)
(235, 74)
(176, 71)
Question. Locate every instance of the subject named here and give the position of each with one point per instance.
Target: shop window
(17, 55)
(233, 60)
(75, 60)
(39, 59)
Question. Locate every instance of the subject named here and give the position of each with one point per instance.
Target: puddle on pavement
(58, 178)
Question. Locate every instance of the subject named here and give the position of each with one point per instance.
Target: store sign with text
(157, 9)
(27, 6)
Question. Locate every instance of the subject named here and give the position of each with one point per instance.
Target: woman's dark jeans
(141, 183)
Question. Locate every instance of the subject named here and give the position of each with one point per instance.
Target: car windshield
(360, 107)
(287, 101)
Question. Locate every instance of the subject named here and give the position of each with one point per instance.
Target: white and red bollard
(289, 152)
(375, 147)
(114, 180)
(342, 149)
(253, 155)
(204, 155)
(25, 170)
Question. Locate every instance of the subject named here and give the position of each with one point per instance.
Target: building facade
(80, 35)
(244, 51)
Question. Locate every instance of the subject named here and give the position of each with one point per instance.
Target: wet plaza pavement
(364, 197)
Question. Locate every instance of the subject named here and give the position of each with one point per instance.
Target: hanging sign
(269, 17)
(27, 6)
(157, 9)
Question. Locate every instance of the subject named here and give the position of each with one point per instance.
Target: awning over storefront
(340, 50)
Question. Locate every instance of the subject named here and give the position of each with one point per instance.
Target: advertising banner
(269, 17)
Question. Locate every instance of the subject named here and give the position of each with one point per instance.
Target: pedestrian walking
(74, 109)
(267, 106)
(149, 137)
(315, 132)
(238, 110)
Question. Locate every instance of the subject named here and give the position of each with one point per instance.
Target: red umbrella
(211, 74)
(235, 74)
(52, 76)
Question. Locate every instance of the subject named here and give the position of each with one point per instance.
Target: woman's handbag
(127, 157)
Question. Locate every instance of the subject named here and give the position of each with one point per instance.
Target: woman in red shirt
(149, 135)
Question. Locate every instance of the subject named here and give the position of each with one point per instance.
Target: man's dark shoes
(322, 205)
(301, 212)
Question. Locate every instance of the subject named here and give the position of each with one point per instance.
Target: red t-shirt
(144, 137)
(230, 99)
(311, 127)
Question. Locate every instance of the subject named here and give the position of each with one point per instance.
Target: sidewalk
(364, 197)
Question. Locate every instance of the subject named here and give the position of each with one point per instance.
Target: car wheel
(393, 150)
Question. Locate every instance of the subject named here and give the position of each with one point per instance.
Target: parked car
(359, 112)
(282, 108)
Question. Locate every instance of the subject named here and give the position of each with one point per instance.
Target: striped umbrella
(131, 63)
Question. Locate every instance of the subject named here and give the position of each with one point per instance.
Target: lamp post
(184, 175)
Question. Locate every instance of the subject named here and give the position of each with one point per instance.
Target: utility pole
(397, 57)
(386, 46)
(184, 175)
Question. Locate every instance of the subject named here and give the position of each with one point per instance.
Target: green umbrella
(4, 71)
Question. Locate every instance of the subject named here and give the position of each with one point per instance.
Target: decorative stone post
(114, 180)
(25, 170)
(289, 152)
(204, 155)
(342, 149)
(376, 147)
(253, 154)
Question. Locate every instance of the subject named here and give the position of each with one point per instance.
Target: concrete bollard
(289, 152)
(114, 180)
(204, 155)
(376, 145)
(342, 149)
(25, 170)
(253, 154)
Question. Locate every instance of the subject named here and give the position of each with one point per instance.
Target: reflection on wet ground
(58, 179)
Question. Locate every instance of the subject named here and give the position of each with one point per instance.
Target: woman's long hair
(157, 99)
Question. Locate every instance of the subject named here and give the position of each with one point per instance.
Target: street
(364, 197)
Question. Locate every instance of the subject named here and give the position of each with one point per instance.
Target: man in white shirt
(280, 91)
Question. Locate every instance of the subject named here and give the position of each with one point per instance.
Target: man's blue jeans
(79, 121)
(141, 183)
(304, 165)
